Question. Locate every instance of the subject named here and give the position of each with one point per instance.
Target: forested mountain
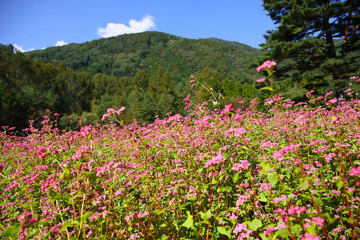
(148, 73)
(124, 55)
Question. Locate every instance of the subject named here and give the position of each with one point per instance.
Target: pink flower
(333, 101)
(118, 193)
(266, 65)
(242, 199)
(111, 111)
(318, 221)
(244, 164)
(94, 216)
(187, 102)
(308, 94)
(265, 187)
(336, 230)
(215, 160)
(239, 131)
(269, 230)
(296, 210)
(227, 109)
(355, 171)
(308, 236)
(280, 199)
(239, 228)
(260, 80)
(41, 152)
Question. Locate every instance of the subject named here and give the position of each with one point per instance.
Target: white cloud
(60, 43)
(21, 49)
(114, 29)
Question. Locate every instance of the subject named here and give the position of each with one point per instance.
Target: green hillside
(148, 73)
(124, 55)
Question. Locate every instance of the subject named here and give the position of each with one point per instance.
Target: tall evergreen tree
(316, 42)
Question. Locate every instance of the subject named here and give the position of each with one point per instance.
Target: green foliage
(316, 44)
(146, 72)
(127, 54)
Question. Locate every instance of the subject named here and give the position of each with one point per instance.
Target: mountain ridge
(148, 73)
(124, 55)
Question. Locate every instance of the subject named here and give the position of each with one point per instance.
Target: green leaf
(78, 164)
(78, 194)
(67, 224)
(90, 175)
(85, 216)
(351, 220)
(12, 231)
(283, 233)
(295, 229)
(329, 218)
(65, 173)
(265, 167)
(273, 178)
(225, 231)
(236, 177)
(312, 229)
(158, 212)
(262, 198)
(206, 215)
(267, 88)
(64, 226)
(339, 185)
(189, 221)
(168, 179)
(214, 181)
(255, 224)
(304, 185)
(54, 195)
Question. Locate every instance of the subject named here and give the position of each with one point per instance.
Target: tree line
(29, 87)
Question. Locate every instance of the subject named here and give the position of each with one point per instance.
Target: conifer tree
(316, 42)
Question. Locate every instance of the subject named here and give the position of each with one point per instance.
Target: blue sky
(38, 24)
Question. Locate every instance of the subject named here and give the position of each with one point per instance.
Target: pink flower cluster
(266, 65)
(308, 94)
(269, 230)
(111, 112)
(239, 228)
(215, 160)
(260, 80)
(280, 199)
(309, 236)
(357, 78)
(227, 109)
(355, 171)
(244, 164)
(187, 102)
(318, 221)
(296, 210)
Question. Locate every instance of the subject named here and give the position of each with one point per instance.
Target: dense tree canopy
(316, 42)
(81, 83)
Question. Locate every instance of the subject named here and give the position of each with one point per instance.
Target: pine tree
(316, 42)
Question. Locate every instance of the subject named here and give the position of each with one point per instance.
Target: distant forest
(148, 73)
